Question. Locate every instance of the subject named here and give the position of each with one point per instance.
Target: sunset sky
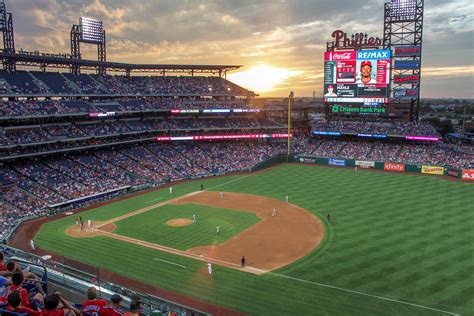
(280, 42)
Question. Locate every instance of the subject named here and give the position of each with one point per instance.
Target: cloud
(285, 34)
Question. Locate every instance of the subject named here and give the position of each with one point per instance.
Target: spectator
(56, 305)
(93, 305)
(113, 308)
(15, 305)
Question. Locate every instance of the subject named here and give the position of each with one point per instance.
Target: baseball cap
(116, 298)
(331, 86)
(366, 63)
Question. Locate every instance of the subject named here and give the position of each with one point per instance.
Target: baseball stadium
(168, 189)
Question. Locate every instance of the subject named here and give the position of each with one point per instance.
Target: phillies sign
(407, 79)
(388, 166)
(357, 40)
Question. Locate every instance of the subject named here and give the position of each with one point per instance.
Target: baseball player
(77, 220)
(194, 218)
(209, 268)
(171, 190)
(286, 198)
(32, 245)
(221, 194)
(242, 262)
(218, 230)
(89, 224)
(355, 168)
(274, 212)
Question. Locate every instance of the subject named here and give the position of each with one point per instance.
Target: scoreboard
(361, 77)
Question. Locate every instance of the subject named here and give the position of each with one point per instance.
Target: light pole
(290, 97)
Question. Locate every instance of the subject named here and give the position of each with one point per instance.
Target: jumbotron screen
(357, 76)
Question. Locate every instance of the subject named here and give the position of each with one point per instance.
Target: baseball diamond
(383, 267)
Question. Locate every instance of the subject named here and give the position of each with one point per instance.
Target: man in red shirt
(14, 305)
(53, 308)
(2, 257)
(92, 305)
(113, 309)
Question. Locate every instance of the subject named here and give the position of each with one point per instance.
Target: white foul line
(362, 293)
(154, 200)
(239, 178)
(179, 265)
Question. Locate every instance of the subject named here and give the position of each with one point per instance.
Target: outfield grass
(398, 236)
(151, 226)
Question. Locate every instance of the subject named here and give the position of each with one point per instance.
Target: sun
(262, 78)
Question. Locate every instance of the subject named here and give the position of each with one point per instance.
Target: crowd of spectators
(376, 127)
(29, 188)
(68, 107)
(52, 132)
(54, 83)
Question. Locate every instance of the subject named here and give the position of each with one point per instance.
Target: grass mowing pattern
(151, 226)
(394, 235)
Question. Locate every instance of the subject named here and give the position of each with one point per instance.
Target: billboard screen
(357, 76)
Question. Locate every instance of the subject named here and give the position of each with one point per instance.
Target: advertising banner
(432, 170)
(405, 93)
(326, 133)
(407, 79)
(407, 51)
(365, 164)
(357, 109)
(468, 174)
(336, 162)
(390, 166)
(407, 64)
(307, 160)
(453, 173)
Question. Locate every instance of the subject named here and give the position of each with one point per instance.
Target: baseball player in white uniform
(274, 212)
(194, 218)
(32, 244)
(171, 190)
(286, 198)
(218, 229)
(209, 268)
(221, 195)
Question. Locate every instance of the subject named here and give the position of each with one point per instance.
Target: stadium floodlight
(92, 30)
(403, 8)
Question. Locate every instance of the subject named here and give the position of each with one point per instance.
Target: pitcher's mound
(179, 222)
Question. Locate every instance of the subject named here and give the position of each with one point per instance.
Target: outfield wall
(463, 174)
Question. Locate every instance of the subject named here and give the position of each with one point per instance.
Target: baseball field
(396, 244)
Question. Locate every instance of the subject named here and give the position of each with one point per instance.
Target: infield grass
(151, 226)
(398, 236)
